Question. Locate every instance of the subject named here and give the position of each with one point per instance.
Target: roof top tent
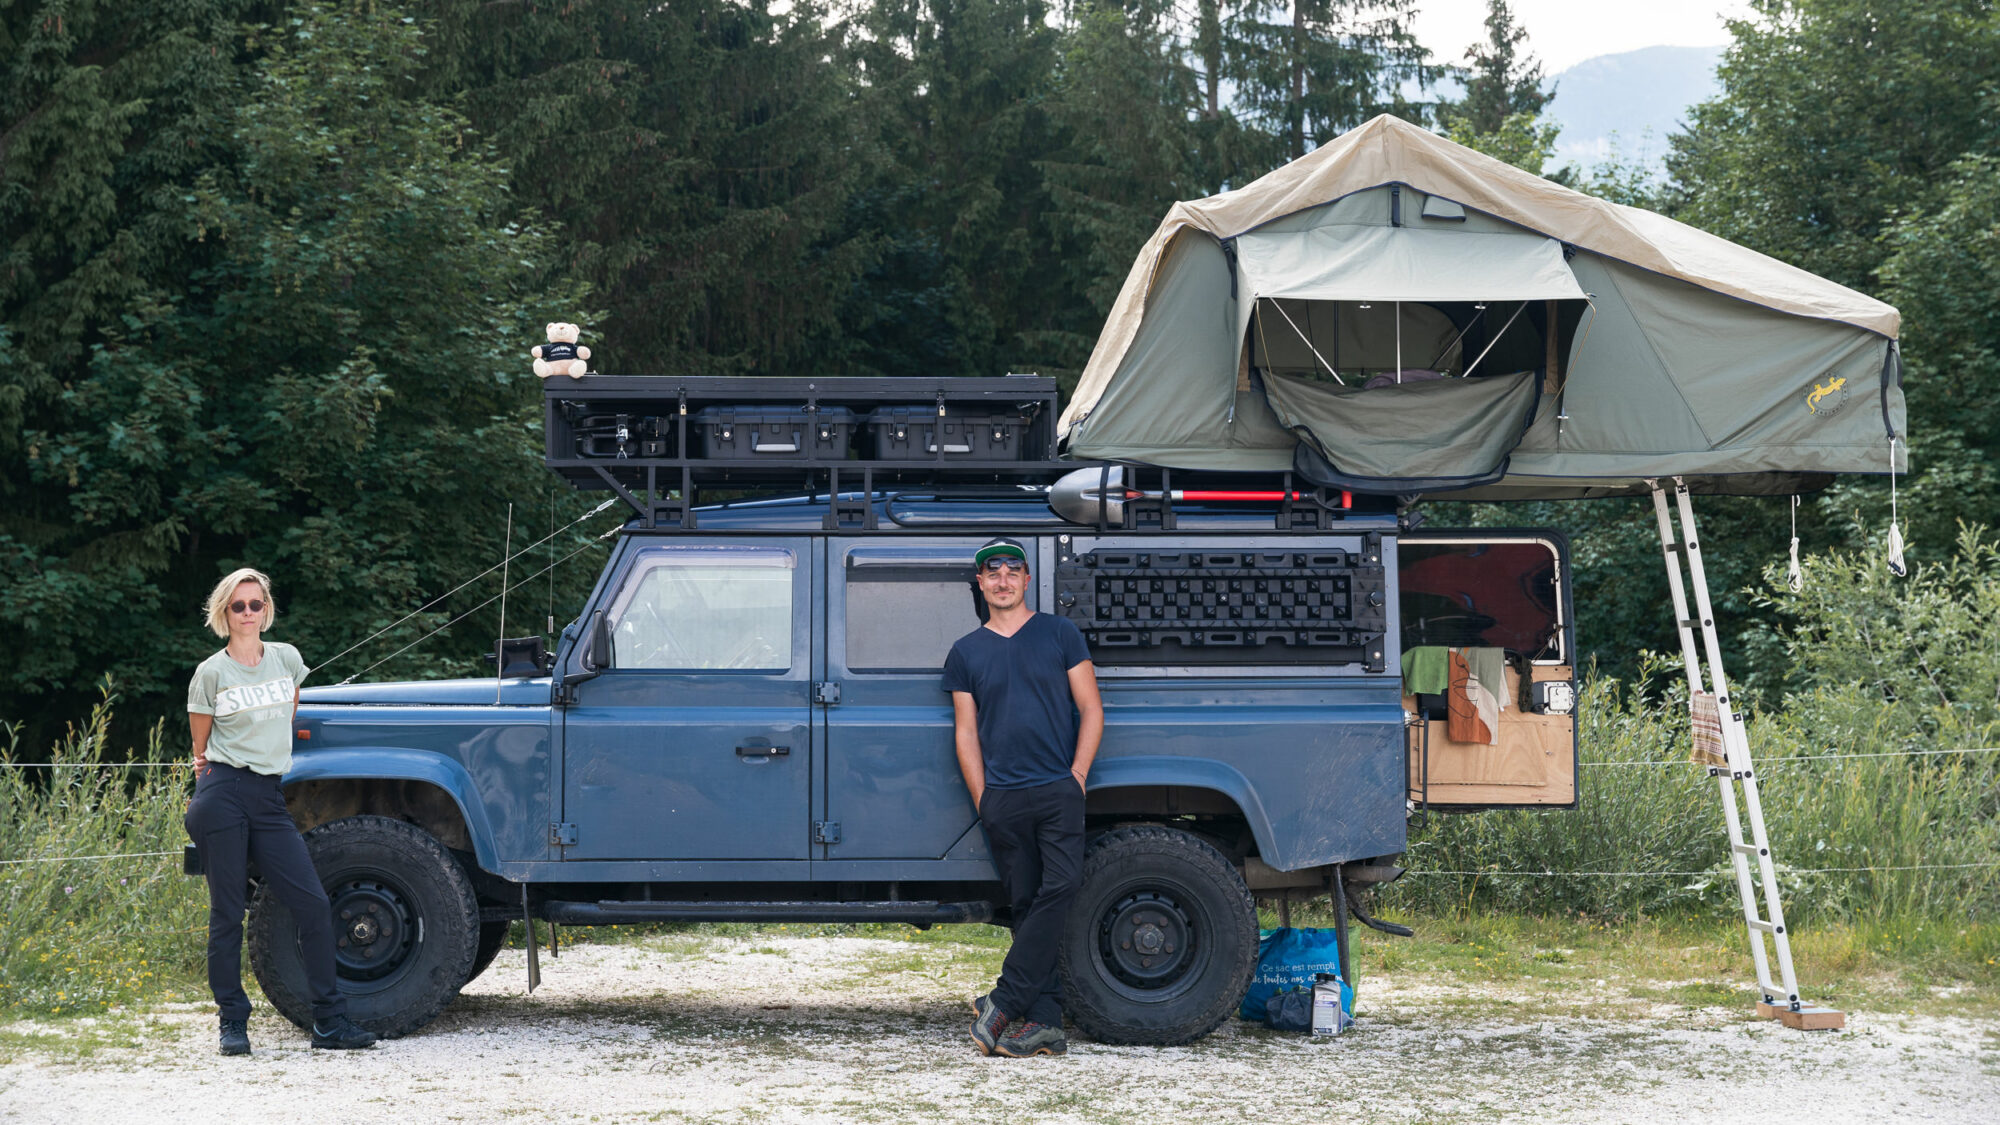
(1397, 314)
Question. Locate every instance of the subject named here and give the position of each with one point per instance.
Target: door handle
(763, 751)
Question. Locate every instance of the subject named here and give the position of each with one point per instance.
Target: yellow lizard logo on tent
(1819, 394)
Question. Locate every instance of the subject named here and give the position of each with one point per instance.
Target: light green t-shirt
(252, 707)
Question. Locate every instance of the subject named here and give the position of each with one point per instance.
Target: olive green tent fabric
(1448, 431)
(1678, 353)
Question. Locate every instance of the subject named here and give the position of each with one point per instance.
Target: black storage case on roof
(912, 433)
(773, 432)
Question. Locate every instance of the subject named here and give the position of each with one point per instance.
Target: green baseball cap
(999, 548)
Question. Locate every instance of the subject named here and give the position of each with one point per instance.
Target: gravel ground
(770, 1028)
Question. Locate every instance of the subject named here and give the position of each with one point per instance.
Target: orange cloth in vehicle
(1472, 713)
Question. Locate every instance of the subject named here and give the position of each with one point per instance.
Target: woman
(240, 707)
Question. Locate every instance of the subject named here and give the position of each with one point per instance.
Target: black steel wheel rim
(375, 928)
(1150, 945)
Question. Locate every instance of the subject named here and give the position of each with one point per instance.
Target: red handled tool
(1081, 496)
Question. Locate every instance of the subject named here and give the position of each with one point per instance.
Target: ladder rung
(1746, 849)
(1762, 926)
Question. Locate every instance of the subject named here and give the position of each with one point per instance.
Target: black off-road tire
(492, 939)
(1161, 940)
(406, 926)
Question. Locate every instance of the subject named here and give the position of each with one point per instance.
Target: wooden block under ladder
(1807, 1018)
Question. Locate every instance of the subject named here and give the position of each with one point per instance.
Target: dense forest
(269, 272)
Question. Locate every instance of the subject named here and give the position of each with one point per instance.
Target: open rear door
(1498, 603)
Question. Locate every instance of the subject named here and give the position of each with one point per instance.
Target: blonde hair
(225, 591)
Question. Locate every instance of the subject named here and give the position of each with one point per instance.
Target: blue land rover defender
(744, 721)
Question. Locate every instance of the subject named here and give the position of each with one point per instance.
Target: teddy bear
(562, 355)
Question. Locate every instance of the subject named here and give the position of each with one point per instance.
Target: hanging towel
(1489, 669)
(1707, 721)
(1426, 670)
(1472, 714)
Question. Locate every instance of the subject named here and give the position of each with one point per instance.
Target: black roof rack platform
(668, 444)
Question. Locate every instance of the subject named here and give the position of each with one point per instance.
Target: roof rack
(667, 445)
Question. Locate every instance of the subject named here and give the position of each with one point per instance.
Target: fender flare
(1189, 773)
(390, 763)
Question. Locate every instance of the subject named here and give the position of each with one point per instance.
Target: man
(1027, 723)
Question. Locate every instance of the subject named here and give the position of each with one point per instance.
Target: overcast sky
(1565, 32)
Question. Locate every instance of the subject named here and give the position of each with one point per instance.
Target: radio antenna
(552, 568)
(500, 643)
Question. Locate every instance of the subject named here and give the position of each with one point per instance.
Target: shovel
(1080, 496)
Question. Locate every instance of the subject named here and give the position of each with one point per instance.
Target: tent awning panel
(1380, 263)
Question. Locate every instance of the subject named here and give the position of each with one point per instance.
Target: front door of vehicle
(894, 610)
(696, 742)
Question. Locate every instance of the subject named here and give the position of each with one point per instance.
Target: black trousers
(238, 815)
(1037, 840)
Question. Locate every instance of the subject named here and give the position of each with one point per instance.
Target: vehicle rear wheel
(406, 926)
(492, 938)
(1161, 941)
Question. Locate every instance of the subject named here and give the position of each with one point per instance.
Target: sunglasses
(1006, 562)
(254, 605)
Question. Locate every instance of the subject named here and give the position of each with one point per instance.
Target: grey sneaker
(1033, 1038)
(341, 1034)
(987, 1027)
(235, 1037)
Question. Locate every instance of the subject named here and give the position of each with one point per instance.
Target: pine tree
(1128, 110)
(1502, 79)
(335, 387)
(1305, 72)
(959, 93)
(701, 156)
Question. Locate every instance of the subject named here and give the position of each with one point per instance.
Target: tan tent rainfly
(1397, 313)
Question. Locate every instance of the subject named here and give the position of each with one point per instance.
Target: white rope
(1795, 575)
(1896, 565)
(329, 662)
(93, 765)
(1698, 874)
(81, 858)
(1815, 757)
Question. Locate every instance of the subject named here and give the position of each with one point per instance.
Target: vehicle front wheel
(405, 926)
(1161, 941)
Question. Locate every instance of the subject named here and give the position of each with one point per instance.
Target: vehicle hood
(436, 693)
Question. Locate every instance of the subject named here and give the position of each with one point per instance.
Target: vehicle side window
(704, 609)
(904, 614)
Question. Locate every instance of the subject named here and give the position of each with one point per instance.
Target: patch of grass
(82, 935)
(1908, 965)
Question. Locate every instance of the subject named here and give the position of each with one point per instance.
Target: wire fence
(1413, 871)
(1769, 761)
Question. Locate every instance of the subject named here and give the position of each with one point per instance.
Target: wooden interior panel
(1534, 763)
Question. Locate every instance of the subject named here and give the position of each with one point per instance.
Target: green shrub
(79, 934)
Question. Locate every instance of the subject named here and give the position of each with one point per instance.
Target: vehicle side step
(628, 913)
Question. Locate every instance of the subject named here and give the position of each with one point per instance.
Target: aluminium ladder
(1780, 998)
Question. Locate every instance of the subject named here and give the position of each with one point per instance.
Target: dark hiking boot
(987, 1027)
(1034, 1039)
(341, 1034)
(979, 1001)
(235, 1037)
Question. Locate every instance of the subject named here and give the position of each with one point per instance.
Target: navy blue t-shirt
(1020, 686)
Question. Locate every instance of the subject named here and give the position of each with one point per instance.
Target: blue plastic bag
(1293, 958)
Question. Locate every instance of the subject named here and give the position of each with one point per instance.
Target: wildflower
(69, 890)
